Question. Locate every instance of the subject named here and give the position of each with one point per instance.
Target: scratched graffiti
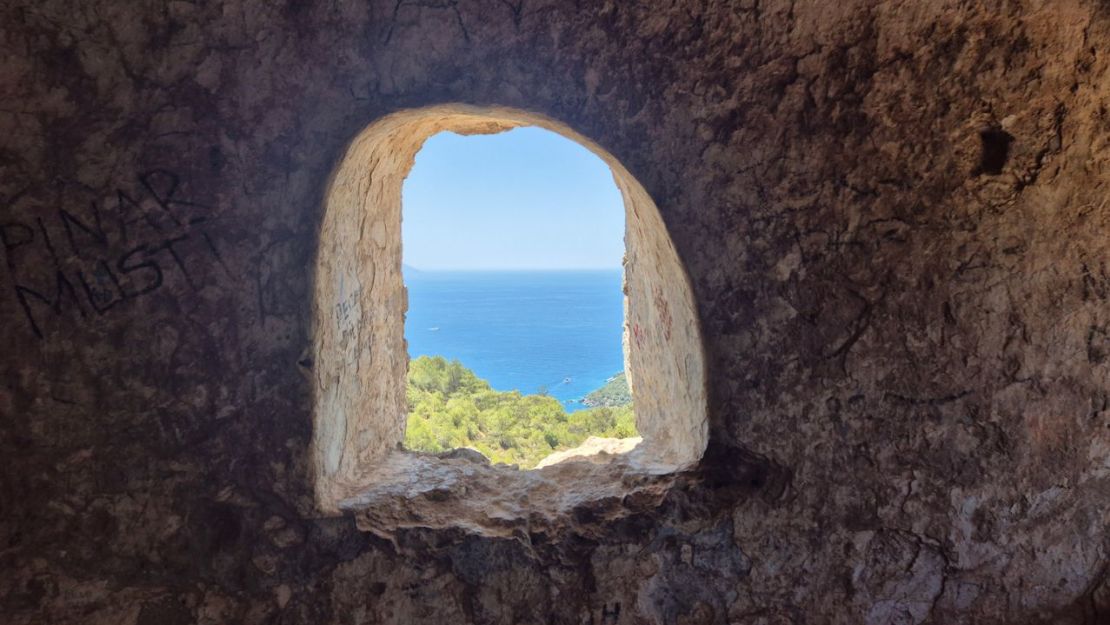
(76, 264)
(1095, 282)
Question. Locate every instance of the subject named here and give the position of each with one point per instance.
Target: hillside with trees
(450, 406)
(615, 392)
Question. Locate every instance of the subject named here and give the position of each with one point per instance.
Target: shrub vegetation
(449, 407)
(614, 393)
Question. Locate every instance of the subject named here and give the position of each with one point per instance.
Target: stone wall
(893, 215)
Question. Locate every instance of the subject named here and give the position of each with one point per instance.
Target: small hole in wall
(995, 151)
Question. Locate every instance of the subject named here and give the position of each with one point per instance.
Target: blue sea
(558, 331)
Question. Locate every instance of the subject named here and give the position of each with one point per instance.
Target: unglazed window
(361, 359)
(513, 245)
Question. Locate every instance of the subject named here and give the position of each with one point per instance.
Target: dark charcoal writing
(343, 309)
(609, 614)
(78, 264)
(343, 317)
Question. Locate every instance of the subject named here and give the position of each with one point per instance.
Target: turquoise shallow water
(522, 330)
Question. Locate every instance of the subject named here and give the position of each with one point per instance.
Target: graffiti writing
(344, 308)
(664, 309)
(78, 264)
(608, 615)
(1096, 283)
(343, 315)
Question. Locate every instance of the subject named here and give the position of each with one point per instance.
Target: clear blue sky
(523, 199)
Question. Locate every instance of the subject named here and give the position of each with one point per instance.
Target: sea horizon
(407, 267)
(533, 330)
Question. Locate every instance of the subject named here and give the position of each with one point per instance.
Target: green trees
(451, 407)
(614, 393)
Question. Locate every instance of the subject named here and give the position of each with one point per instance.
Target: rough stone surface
(894, 216)
(593, 449)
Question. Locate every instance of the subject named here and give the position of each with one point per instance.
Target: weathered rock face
(894, 217)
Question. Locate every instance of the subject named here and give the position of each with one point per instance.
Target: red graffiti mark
(664, 311)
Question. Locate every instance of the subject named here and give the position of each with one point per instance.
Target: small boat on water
(566, 380)
(435, 329)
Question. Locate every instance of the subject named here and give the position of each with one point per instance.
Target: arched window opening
(361, 360)
(512, 247)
